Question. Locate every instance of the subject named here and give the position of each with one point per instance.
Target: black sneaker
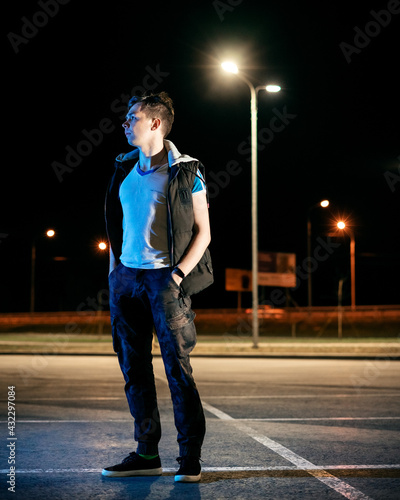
(135, 465)
(189, 470)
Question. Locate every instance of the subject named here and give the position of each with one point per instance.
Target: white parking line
(301, 463)
(214, 469)
(311, 396)
(86, 421)
(312, 419)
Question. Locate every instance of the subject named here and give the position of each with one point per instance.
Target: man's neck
(152, 157)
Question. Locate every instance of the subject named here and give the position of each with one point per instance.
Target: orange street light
(102, 245)
(342, 226)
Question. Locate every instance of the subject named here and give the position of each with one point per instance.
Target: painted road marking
(321, 474)
(311, 396)
(215, 469)
(312, 419)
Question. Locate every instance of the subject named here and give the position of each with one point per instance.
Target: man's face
(137, 126)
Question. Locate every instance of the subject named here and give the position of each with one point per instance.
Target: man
(158, 228)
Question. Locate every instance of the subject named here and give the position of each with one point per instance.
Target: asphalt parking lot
(276, 428)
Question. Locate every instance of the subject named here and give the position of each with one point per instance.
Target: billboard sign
(277, 269)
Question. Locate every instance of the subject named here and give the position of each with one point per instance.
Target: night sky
(337, 63)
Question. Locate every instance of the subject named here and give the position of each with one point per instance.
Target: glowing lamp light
(341, 225)
(230, 67)
(102, 245)
(50, 233)
(324, 203)
(272, 88)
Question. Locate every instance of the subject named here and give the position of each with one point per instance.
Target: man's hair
(156, 106)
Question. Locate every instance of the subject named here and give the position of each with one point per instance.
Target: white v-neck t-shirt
(143, 197)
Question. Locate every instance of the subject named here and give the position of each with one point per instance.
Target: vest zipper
(170, 220)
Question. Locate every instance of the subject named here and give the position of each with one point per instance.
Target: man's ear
(156, 124)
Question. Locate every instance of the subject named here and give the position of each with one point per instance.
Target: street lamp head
(324, 203)
(102, 245)
(273, 88)
(230, 67)
(341, 224)
(50, 233)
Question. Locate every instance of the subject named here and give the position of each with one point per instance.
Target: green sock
(148, 457)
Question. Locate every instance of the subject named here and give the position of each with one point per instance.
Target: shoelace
(129, 457)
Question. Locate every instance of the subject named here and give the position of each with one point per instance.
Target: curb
(388, 350)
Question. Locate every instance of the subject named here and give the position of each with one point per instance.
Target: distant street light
(231, 67)
(102, 245)
(323, 204)
(342, 226)
(273, 88)
(50, 233)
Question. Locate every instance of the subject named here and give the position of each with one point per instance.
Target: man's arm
(201, 238)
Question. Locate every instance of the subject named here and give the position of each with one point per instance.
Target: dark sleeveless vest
(180, 219)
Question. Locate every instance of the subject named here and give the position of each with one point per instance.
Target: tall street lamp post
(232, 68)
(342, 225)
(323, 204)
